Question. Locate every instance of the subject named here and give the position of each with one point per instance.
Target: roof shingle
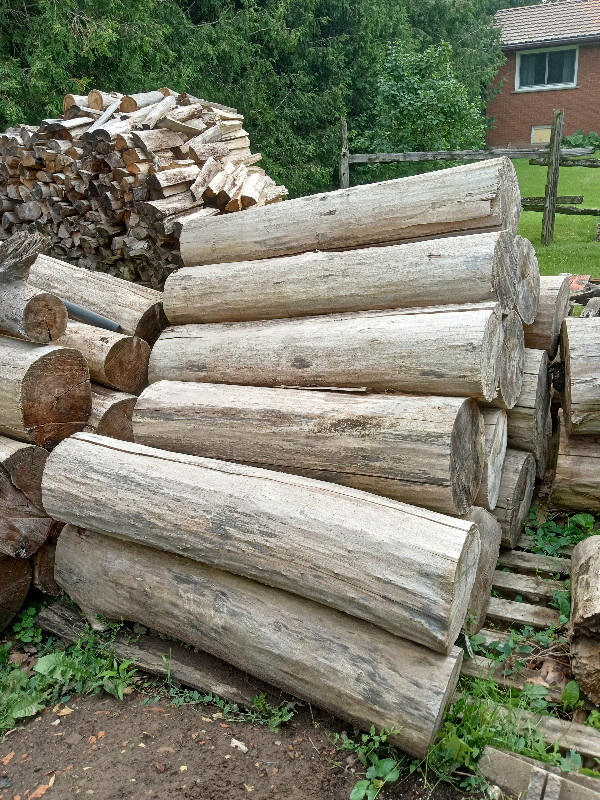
(563, 22)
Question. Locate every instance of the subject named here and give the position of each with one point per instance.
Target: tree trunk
(478, 196)
(42, 563)
(585, 616)
(415, 571)
(528, 281)
(490, 534)
(342, 664)
(137, 309)
(544, 333)
(114, 359)
(580, 352)
(453, 353)
(111, 413)
(577, 477)
(516, 490)
(511, 359)
(44, 391)
(24, 464)
(422, 450)
(31, 313)
(459, 269)
(15, 580)
(495, 449)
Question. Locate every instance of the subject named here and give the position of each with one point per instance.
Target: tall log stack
(112, 181)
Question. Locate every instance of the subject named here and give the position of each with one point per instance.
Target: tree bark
(111, 413)
(478, 196)
(516, 490)
(577, 477)
(114, 359)
(580, 353)
(44, 391)
(494, 452)
(24, 464)
(544, 333)
(443, 353)
(511, 359)
(459, 269)
(352, 669)
(137, 309)
(15, 580)
(490, 535)
(422, 450)
(528, 281)
(585, 616)
(415, 571)
(31, 313)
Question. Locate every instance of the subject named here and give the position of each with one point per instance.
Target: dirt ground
(113, 750)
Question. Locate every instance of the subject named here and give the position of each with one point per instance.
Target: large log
(24, 527)
(111, 413)
(459, 269)
(528, 281)
(544, 333)
(15, 580)
(352, 669)
(494, 452)
(114, 359)
(404, 568)
(511, 359)
(31, 313)
(422, 450)
(585, 616)
(478, 196)
(516, 490)
(577, 479)
(44, 391)
(580, 353)
(490, 535)
(442, 353)
(24, 464)
(137, 309)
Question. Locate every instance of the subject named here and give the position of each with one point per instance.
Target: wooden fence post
(344, 163)
(551, 193)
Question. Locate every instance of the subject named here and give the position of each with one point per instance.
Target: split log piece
(442, 353)
(422, 450)
(31, 313)
(42, 563)
(24, 526)
(416, 568)
(580, 353)
(111, 413)
(44, 391)
(15, 580)
(490, 534)
(160, 139)
(544, 333)
(577, 478)
(316, 653)
(494, 452)
(528, 281)
(516, 490)
(114, 359)
(480, 196)
(585, 616)
(159, 110)
(459, 269)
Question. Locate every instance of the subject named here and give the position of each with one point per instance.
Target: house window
(546, 69)
(540, 134)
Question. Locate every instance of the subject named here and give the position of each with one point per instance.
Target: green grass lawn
(574, 249)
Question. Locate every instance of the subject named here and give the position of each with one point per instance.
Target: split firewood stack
(112, 181)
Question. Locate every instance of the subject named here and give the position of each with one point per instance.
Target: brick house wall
(516, 113)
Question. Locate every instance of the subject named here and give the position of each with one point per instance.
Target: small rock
(494, 792)
(5, 783)
(239, 745)
(73, 738)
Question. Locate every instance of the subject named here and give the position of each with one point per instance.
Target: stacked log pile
(112, 180)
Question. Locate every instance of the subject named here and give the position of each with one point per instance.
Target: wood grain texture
(544, 333)
(516, 490)
(458, 269)
(490, 534)
(137, 309)
(422, 450)
(511, 359)
(15, 580)
(24, 464)
(495, 449)
(24, 527)
(112, 413)
(527, 281)
(580, 352)
(449, 353)
(577, 478)
(44, 391)
(481, 196)
(42, 563)
(352, 669)
(413, 577)
(31, 313)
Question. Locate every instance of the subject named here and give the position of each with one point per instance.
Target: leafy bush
(580, 139)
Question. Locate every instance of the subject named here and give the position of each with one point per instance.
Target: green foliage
(551, 537)
(570, 696)
(580, 139)
(382, 761)
(594, 719)
(24, 628)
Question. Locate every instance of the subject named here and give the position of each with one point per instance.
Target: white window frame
(546, 86)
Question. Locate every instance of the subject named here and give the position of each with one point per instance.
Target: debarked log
(422, 450)
(544, 333)
(516, 490)
(429, 351)
(401, 567)
(490, 535)
(577, 478)
(352, 669)
(461, 269)
(528, 281)
(111, 413)
(31, 313)
(580, 352)
(495, 449)
(585, 616)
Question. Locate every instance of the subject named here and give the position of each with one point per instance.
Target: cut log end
(490, 535)
(512, 359)
(492, 345)
(45, 318)
(528, 281)
(505, 270)
(466, 455)
(496, 433)
(509, 196)
(126, 365)
(516, 490)
(15, 579)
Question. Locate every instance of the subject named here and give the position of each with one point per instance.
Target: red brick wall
(516, 113)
